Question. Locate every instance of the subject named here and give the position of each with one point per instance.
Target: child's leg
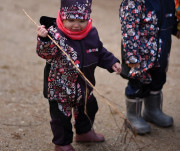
(153, 110)
(134, 92)
(84, 123)
(61, 126)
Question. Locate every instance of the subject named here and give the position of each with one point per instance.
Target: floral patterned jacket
(146, 27)
(177, 6)
(65, 85)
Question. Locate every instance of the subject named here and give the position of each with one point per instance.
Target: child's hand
(134, 65)
(41, 31)
(117, 68)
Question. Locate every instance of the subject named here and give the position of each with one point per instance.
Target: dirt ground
(24, 113)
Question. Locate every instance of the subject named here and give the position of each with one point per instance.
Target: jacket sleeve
(46, 49)
(130, 16)
(106, 58)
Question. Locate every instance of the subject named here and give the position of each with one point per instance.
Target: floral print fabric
(62, 81)
(177, 5)
(139, 31)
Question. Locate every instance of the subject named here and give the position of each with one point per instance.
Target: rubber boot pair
(152, 113)
(90, 136)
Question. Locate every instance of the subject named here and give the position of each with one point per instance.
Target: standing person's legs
(84, 122)
(154, 101)
(134, 92)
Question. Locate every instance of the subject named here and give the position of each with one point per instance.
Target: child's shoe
(90, 136)
(63, 148)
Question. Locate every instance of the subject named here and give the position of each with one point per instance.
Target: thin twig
(20, 125)
(85, 107)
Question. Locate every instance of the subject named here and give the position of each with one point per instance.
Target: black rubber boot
(153, 110)
(133, 107)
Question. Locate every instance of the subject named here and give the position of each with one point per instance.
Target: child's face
(75, 25)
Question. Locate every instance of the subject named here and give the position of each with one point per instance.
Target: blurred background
(24, 112)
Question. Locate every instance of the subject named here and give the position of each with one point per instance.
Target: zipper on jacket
(81, 68)
(82, 55)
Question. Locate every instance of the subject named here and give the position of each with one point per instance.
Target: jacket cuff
(110, 68)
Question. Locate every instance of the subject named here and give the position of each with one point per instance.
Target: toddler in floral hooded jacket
(73, 31)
